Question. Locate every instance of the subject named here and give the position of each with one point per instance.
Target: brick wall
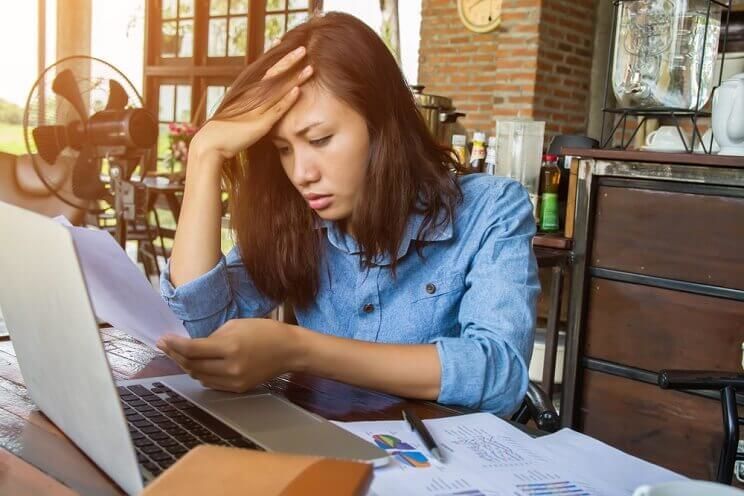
(564, 65)
(535, 65)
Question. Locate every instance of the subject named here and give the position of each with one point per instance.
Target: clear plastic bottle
(491, 156)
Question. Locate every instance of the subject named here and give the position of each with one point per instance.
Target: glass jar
(660, 48)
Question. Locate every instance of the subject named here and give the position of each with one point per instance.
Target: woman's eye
(283, 150)
(321, 141)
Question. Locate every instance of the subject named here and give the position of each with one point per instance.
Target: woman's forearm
(196, 248)
(406, 370)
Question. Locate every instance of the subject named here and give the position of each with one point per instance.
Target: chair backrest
(21, 186)
(728, 384)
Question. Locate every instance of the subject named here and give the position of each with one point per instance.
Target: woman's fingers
(213, 367)
(195, 347)
(277, 110)
(218, 382)
(285, 62)
(271, 101)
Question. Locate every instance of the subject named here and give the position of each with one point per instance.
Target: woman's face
(323, 145)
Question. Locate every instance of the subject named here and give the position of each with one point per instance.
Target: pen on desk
(418, 426)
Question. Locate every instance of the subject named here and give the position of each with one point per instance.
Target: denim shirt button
(431, 288)
(368, 308)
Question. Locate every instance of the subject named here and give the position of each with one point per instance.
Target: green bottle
(550, 179)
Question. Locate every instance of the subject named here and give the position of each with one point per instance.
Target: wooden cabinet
(693, 234)
(657, 283)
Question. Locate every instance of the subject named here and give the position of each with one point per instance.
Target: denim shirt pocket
(437, 302)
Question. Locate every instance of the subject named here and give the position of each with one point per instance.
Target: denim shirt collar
(345, 242)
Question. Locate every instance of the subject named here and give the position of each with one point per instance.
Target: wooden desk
(26, 433)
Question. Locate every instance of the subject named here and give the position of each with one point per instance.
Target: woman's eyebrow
(307, 128)
(301, 132)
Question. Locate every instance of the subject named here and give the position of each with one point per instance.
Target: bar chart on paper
(559, 488)
(534, 482)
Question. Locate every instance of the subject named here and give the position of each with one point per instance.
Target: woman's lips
(319, 202)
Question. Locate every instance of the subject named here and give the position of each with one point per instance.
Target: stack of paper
(485, 455)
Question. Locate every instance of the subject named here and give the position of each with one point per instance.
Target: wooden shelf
(657, 157)
(552, 240)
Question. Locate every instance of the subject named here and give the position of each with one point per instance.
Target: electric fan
(82, 113)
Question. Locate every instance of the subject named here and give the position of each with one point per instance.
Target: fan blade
(66, 86)
(50, 141)
(86, 180)
(118, 98)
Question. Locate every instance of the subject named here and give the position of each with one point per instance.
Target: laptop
(133, 429)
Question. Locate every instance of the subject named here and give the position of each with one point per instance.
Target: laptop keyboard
(164, 426)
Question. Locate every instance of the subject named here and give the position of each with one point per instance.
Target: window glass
(186, 38)
(272, 5)
(183, 103)
(273, 29)
(217, 44)
(169, 9)
(214, 97)
(238, 7)
(296, 19)
(166, 100)
(186, 8)
(238, 36)
(218, 7)
(169, 44)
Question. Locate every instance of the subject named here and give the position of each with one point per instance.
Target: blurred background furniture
(21, 186)
(546, 366)
(657, 283)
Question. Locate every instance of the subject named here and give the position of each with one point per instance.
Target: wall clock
(480, 16)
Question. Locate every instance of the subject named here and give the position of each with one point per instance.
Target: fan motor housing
(131, 128)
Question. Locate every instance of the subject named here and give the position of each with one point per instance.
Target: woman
(404, 277)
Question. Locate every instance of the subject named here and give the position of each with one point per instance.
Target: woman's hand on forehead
(286, 62)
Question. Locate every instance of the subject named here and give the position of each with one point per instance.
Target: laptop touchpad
(255, 411)
(264, 413)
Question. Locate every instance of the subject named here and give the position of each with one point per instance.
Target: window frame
(200, 71)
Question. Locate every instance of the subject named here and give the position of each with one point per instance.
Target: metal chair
(538, 407)
(728, 384)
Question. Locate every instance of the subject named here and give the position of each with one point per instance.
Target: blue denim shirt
(473, 294)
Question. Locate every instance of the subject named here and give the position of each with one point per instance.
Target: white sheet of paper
(613, 467)
(61, 219)
(3, 329)
(486, 456)
(118, 290)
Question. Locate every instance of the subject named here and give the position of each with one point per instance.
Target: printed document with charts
(486, 456)
(118, 291)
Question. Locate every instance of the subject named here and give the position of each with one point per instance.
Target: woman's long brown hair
(408, 171)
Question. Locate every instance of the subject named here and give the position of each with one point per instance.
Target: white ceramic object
(728, 116)
(666, 139)
(688, 488)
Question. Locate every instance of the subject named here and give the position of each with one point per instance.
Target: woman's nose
(305, 169)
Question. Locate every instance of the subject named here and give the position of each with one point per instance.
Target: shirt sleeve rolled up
(486, 367)
(225, 292)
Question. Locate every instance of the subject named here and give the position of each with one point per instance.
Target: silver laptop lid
(57, 343)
